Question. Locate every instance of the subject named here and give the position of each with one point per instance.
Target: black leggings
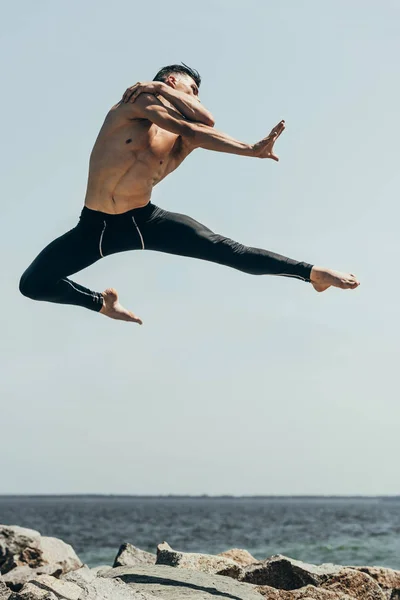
(101, 234)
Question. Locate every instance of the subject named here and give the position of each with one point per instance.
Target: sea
(341, 530)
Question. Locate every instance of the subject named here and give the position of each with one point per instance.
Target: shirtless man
(145, 137)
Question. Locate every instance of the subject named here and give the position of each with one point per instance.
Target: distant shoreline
(203, 497)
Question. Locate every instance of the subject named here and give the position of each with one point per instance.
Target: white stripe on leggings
(75, 288)
(287, 275)
(101, 239)
(138, 230)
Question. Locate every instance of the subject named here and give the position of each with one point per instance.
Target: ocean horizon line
(210, 496)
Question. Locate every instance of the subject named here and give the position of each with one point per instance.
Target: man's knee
(30, 286)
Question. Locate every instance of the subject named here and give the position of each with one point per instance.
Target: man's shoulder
(131, 110)
(119, 111)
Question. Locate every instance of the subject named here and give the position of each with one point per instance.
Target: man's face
(183, 83)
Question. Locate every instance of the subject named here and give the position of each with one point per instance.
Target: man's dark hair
(179, 69)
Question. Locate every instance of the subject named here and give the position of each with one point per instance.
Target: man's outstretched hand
(265, 147)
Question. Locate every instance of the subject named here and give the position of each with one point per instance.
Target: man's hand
(264, 148)
(151, 87)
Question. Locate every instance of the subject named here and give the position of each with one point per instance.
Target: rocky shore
(35, 567)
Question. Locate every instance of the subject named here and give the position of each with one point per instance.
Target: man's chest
(163, 144)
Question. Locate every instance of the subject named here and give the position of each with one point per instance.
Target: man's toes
(352, 284)
(136, 319)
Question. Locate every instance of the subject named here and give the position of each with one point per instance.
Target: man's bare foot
(322, 279)
(113, 309)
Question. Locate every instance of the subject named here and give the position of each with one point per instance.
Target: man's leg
(47, 277)
(179, 234)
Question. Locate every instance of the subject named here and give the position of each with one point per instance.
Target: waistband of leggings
(97, 215)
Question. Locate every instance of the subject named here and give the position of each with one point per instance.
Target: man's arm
(189, 106)
(197, 135)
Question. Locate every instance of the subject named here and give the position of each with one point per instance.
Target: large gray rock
(57, 552)
(156, 582)
(105, 588)
(169, 583)
(130, 556)
(16, 544)
(25, 547)
(83, 583)
(25, 554)
(206, 563)
(287, 574)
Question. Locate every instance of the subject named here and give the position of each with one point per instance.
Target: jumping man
(144, 137)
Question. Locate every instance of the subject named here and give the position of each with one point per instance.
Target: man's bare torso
(129, 158)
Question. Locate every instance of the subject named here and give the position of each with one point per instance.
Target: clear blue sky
(234, 384)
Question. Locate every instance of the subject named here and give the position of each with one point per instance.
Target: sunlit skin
(145, 137)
